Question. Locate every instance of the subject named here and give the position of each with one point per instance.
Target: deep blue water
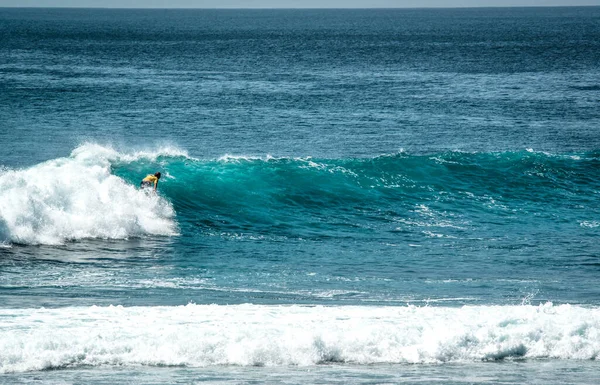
(344, 192)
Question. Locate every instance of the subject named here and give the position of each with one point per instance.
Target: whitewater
(252, 335)
(75, 198)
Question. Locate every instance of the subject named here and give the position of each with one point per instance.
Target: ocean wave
(257, 335)
(75, 198)
(93, 193)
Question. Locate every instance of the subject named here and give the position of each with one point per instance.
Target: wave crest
(92, 193)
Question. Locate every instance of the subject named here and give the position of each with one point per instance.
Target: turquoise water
(367, 196)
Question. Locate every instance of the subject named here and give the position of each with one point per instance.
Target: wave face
(254, 335)
(77, 197)
(305, 197)
(93, 194)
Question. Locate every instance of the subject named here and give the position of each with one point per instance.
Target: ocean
(347, 196)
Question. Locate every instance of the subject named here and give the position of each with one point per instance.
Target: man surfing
(150, 180)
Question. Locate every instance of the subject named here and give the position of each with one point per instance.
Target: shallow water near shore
(564, 372)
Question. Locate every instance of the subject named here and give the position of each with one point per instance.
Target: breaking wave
(256, 335)
(93, 194)
(77, 197)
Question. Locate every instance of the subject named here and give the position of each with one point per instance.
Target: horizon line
(303, 8)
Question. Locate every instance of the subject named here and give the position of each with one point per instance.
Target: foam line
(258, 335)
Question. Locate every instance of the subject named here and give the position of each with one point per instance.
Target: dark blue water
(357, 188)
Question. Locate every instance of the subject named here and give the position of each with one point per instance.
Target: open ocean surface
(348, 196)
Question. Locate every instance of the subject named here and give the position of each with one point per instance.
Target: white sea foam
(228, 158)
(590, 224)
(206, 335)
(77, 197)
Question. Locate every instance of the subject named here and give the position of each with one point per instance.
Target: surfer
(149, 180)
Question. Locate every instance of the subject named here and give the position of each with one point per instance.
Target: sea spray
(77, 197)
